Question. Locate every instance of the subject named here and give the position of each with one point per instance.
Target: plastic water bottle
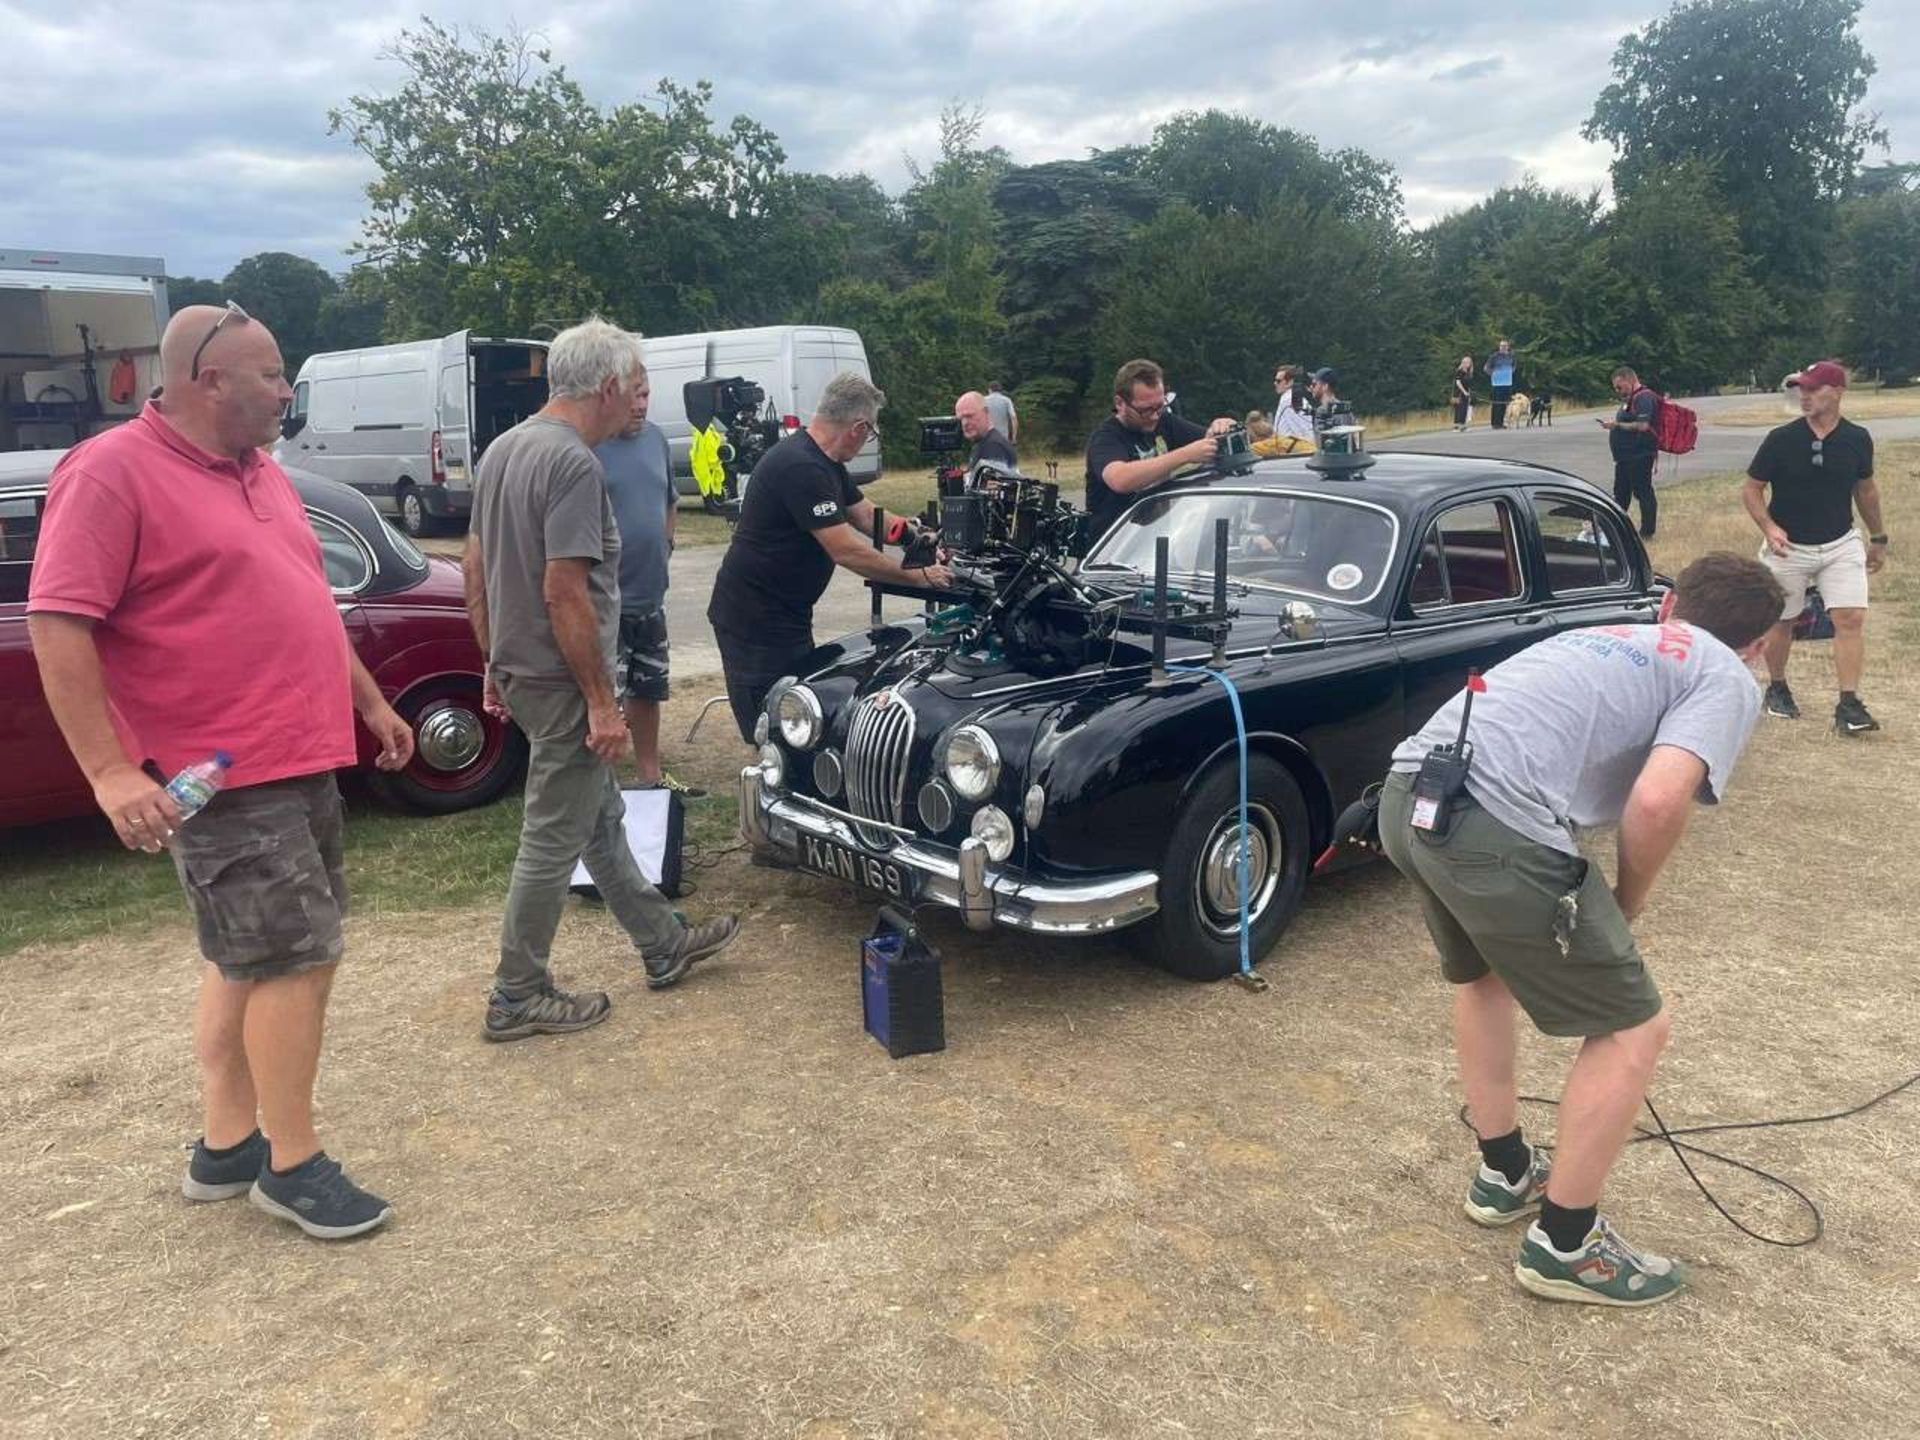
(194, 786)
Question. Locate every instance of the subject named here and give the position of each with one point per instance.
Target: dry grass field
(1116, 1205)
(1864, 406)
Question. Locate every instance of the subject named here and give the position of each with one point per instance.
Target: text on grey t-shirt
(538, 496)
(1566, 726)
(640, 489)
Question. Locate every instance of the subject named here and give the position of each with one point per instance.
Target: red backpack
(1676, 429)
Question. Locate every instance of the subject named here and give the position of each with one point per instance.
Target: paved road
(1573, 443)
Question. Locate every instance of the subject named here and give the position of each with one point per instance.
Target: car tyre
(449, 725)
(1195, 932)
(415, 518)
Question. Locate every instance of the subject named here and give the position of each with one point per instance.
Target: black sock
(231, 1150)
(1508, 1154)
(1566, 1229)
(1846, 695)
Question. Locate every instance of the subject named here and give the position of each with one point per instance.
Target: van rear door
(850, 353)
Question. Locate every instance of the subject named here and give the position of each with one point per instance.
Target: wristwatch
(1876, 540)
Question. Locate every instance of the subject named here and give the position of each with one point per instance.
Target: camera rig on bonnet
(734, 425)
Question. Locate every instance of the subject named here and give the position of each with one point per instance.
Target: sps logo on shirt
(826, 507)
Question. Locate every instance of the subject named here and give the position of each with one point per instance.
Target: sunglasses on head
(232, 312)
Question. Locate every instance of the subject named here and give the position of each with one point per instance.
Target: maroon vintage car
(405, 611)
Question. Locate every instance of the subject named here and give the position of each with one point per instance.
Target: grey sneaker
(221, 1177)
(319, 1198)
(701, 941)
(1604, 1271)
(1493, 1200)
(546, 1012)
(1780, 701)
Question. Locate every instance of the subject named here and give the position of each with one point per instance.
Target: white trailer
(67, 322)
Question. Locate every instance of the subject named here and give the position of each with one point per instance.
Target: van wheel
(415, 518)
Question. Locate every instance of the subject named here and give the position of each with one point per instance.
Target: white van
(406, 424)
(792, 363)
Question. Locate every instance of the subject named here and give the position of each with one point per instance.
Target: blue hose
(1240, 734)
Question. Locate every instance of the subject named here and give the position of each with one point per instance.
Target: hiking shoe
(699, 942)
(1493, 1200)
(319, 1198)
(1850, 717)
(1780, 701)
(549, 1011)
(1604, 1271)
(221, 1177)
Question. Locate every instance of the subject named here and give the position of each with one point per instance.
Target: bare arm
(1129, 477)
(1656, 816)
(1866, 499)
(143, 814)
(1753, 495)
(383, 722)
(576, 630)
(473, 571)
(848, 547)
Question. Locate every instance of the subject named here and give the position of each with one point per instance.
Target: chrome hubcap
(449, 739)
(1217, 883)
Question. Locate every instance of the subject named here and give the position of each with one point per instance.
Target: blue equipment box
(900, 987)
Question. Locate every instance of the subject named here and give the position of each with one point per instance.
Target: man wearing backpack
(1631, 437)
(1805, 482)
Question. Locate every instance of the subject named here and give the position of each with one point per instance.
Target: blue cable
(1240, 733)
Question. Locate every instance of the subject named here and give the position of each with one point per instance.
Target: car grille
(879, 742)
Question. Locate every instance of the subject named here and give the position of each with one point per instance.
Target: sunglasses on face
(232, 312)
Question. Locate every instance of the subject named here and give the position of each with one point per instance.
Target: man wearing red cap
(1805, 482)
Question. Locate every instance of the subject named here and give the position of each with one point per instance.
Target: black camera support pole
(1219, 660)
(879, 543)
(1159, 680)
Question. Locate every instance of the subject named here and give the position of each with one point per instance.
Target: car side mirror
(292, 425)
(1299, 621)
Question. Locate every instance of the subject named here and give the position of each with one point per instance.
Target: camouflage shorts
(640, 662)
(261, 866)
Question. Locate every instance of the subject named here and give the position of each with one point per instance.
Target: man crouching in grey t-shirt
(542, 590)
(1627, 724)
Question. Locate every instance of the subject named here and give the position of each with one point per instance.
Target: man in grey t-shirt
(1628, 724)
(1001, 413)
(542, 591)
(639, 470)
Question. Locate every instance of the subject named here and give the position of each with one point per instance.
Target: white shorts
(1838, 569)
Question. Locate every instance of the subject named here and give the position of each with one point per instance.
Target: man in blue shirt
(640, 488)
(1500, 372)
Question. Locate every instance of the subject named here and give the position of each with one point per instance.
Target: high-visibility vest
(709, 470)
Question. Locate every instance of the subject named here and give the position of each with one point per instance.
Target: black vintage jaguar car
(1021, 757)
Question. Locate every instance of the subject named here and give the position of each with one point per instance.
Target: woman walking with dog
(1462, 392)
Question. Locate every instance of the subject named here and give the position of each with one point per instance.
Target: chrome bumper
(984, 895)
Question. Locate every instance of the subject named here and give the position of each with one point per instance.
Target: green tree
(1878, 287)
(185, 290)
(285, 293)
(1220, 162)
(356, 314)
(1765, 92)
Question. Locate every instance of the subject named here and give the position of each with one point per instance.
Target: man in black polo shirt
(1630, 436)
(976, 423)
(1141, 444)
(802, 516)
(1818, 469)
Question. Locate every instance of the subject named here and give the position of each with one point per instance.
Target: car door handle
(319, 447)
(1538, 617)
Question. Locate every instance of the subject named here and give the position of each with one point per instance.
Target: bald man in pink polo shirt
(179, 607)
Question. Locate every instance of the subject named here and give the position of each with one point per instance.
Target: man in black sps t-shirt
(1141, 444)
(802, 516)
(1805, 482)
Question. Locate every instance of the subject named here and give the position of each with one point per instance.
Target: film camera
(941, 438)
(995, 514)
(752, 428)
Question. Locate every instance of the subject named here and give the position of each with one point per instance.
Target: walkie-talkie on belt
(1442, 777)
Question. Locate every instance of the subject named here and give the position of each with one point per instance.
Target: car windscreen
(1304, 544)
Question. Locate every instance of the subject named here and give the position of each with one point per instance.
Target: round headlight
(827, 773)
(773, 767)
(973, 762)
(802, 722)
(935, 804)
(992, 827)
(1035, 808)
(762, 729)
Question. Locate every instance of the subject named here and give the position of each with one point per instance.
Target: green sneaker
(1604, 1271)
(1491, 1200)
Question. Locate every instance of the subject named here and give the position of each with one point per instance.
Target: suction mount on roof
(1342, 451)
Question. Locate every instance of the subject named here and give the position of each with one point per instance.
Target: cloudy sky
(198, 131)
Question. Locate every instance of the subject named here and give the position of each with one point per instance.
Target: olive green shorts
(1492, 899)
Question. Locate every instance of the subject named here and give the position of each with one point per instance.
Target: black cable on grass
(1680, 1152)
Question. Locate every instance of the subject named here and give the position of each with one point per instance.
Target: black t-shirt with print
(775, 569)
(1113, 441)
(1810, 481)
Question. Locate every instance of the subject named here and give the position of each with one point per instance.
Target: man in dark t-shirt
(1141, 444)
(976, 423)
(801, 516)
(1805, 482)
(1630, 438)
